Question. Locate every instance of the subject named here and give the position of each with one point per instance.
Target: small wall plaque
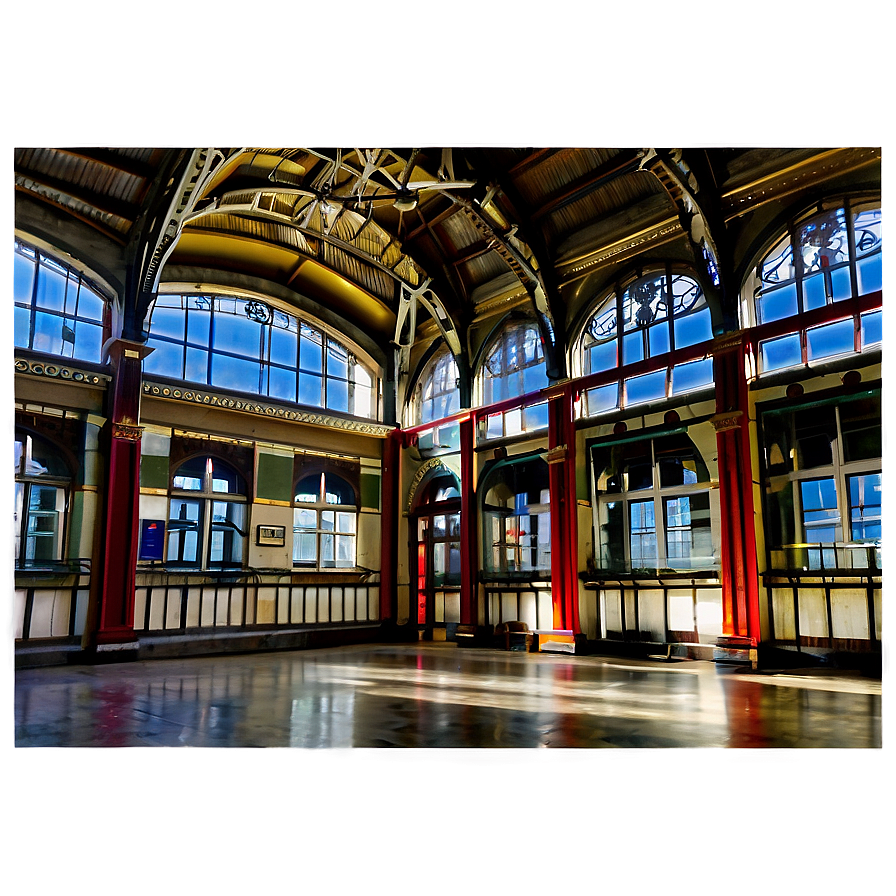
(273, 536)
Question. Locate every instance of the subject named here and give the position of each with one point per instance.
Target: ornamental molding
(264, 409)
(660, 233)
(434, 463)
(61, 372)
(556, 455)
(727, 421)
(127, 431)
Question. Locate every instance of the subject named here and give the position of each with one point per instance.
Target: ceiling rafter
(103, 204)
(112, 159)
(611, 170)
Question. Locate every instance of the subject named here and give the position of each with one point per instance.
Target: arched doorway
(435, 555)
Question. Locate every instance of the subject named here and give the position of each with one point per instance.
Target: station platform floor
(440, 695)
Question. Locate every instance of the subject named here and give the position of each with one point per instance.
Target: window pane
(688, 532)
(51, 289)
(821, 519)
(226, 479)
(88, 342)
(831, 339)
(235, 373)
(345, 551)
(870, 274)
(23, 273)
(198, 325)
(658, 339)
(865, 507)
(197, 366)
(282, 384)
(612, 536)
(534, 378)
(337, 361)
(47, 333)
(513, 422)
(303, 518)
(632, 347)
(872, 329)
(237, 335)
(167, 322)
(860, 423)
(228, 531)
(22, 325)
(775, 354)
(692, 375)
(535, 417)
(310, 389)
(310, 351)
(304, 547)
(603, 398)
(90, 305)
(166, 360)
(823, 241)
(777, 304)
(183, 531)
(284, 344)
(693, 328)
(647, 387)
(337, 395)
(642, 534)
(602, 357)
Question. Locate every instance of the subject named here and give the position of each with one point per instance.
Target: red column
(469, 542)
(115, 623)
(389, 530)
(564, 523)
(740, 582)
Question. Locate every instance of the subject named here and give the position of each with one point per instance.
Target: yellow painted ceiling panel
(329, 288)
(236, 253)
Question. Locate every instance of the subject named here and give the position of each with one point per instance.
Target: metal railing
(51, 599)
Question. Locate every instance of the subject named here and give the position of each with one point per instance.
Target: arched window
(42, 484)
(516, 520)
(248, 346)
(325, 523)
(436, 394)
(656, 314)
(653, 506)
(514, 363)
(57, 311)
(831, 254)
(207, 518)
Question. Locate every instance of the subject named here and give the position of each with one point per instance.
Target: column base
(736, 649)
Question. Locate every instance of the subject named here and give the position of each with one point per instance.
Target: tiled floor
(438, 696)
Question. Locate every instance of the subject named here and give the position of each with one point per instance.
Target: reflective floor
(439, 696)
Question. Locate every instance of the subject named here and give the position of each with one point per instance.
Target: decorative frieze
(264, 409)
(61, 372)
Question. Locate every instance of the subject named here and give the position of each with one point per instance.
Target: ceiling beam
(531, 161)
(104, 204)
(112, 159)
(578, 189)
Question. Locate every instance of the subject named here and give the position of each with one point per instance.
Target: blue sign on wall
(152, 539)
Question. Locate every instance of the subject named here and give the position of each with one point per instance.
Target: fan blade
(417, 186)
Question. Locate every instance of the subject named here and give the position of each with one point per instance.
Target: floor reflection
(438, 696)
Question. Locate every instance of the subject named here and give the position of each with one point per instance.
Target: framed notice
(272, 536)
